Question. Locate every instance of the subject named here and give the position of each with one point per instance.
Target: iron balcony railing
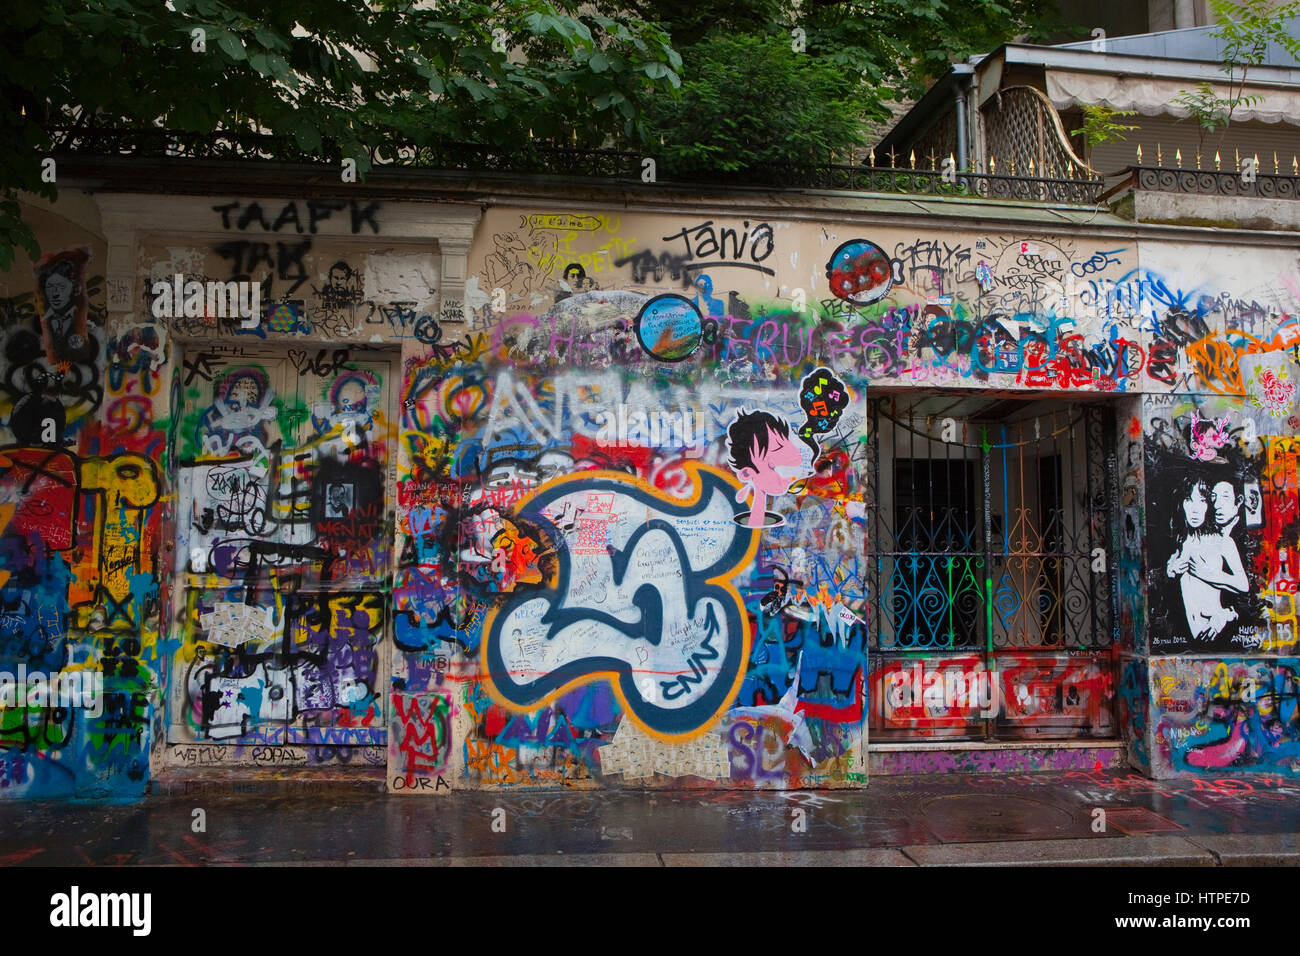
(1252, 182)
(955, 183)
(611, 164)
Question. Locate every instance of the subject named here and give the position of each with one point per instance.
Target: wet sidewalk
(1102, 817)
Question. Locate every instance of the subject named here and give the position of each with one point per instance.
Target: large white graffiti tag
(641, 597)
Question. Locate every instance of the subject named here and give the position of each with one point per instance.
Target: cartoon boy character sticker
(768, 459)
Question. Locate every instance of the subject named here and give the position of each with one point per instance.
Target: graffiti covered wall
(596, 507)
(622, 562)
(636, 534)
(1221, 507)
(80, 491)
(282, 455)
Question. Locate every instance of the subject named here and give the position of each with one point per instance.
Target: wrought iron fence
(116, 141)
(954, 183)
(526, 158)
(611, 164)
(1217, 182)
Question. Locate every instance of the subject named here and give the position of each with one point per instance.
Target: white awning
(1155, 96)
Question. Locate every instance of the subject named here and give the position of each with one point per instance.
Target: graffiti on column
(78, 540)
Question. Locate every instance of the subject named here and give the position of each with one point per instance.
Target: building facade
(470, 484)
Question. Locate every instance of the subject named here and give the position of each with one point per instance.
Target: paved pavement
(949, 820)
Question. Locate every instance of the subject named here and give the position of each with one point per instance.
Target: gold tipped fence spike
(931, 160)
(1198, 160)
(1160, 155)
(1139, 154)
(993, 166)
(1218, 163)
(1274, 162)
(1031, 167)
(893, 161)
(1178, 157)
(871, 156)
(1256, 162)
(1236, 158)
(1295, 166)
(911, 159)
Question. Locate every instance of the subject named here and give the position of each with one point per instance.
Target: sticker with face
(242, 415)
(860, 273)
(766, 457)
(1254, 505)
(58, 291)
(763, 452)
(347, 416)
(61, 288)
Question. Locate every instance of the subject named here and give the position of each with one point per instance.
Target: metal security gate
(991, 525)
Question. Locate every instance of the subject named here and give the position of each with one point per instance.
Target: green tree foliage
(757, 94)
(1246, 28)
(338, 77)
(751, 104)
(898, 46)
(1099, 124)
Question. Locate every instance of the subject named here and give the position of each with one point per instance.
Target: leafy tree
(1246, 27)
(1099, 124)
(690, 21)
(769, 81)
(336, 78)
(751, 104)
(894, 46)
(898, 46)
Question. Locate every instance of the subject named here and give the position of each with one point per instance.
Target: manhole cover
(975, 817)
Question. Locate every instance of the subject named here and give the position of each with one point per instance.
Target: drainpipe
(961, 80)
(961, 123)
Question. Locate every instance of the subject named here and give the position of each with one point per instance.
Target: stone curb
(1119, 851)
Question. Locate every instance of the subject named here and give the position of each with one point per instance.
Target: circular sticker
(860, 273)
(669, 327)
